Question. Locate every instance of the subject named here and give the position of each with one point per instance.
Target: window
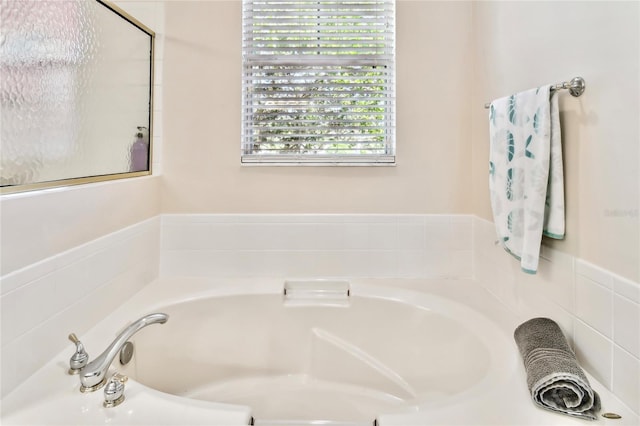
(75, 94)
(319, 81)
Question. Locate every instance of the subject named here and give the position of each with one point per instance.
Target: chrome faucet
(93, 375)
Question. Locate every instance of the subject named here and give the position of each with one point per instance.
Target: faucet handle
(114, 390)
(80, 358)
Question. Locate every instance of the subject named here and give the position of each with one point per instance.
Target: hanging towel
(554, 378)
(525, 172)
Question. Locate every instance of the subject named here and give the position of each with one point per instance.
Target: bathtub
(380, 351)
(238, 352)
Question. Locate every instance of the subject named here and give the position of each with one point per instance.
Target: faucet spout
(93, 375)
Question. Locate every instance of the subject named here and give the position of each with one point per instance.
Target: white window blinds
(318, 83)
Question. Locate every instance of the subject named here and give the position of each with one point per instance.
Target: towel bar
(576, 87)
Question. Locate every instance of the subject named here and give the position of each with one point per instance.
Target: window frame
(383, 66)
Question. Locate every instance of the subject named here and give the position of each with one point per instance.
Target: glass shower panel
(75, 93)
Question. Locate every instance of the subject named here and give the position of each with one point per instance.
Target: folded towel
(554, 378)
(525, 172)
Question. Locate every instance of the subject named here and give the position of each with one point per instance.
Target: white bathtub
(387, 351)
(404, 352)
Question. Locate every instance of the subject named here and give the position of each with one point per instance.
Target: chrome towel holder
(576, 87)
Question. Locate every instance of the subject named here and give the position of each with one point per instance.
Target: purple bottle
(140, 151)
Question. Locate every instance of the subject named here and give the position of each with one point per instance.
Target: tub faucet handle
(80, 358)
(114, 390)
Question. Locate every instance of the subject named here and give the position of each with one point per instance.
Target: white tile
(74, 282)
(370, 263)
(383, 236)
(356, 236)
(314, 236)
(291, 264)
(626, 324)
(412, 263)
(461, 264)
(626, 378)
(199, 263)
(26, 307)
(627, 288)
(411, 236)
(461, 219)
(158, 74)
(461, 233)
(157, 168)
(254, 263)
(557, 278)
(223, 236)
(593, 351)
(16, 246)
(594, 273)
(320, 264)
(438, 235)
(264, 236)
(26, 275)
(534, 303)
(370, 236)
(437, 264)
(594, 305)
(158, 123)
(411, 219)
(260, 219)
(187, 236)
(438, 219)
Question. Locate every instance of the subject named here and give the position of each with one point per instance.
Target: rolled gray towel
(554, 378)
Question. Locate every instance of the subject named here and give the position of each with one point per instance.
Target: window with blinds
(318, 83)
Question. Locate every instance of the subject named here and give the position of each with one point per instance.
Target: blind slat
(318, 80)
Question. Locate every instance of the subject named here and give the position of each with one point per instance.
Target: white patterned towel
(525, 172)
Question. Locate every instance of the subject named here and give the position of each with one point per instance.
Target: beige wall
(519, 45)
(452, 57)
(202, 95)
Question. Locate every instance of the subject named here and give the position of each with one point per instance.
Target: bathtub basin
(387, 351)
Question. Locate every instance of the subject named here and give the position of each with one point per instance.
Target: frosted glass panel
(75, 92)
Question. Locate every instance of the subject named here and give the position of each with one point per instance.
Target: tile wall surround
(152, 14)
(408, 246)
(599, 311)
(70, 292)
